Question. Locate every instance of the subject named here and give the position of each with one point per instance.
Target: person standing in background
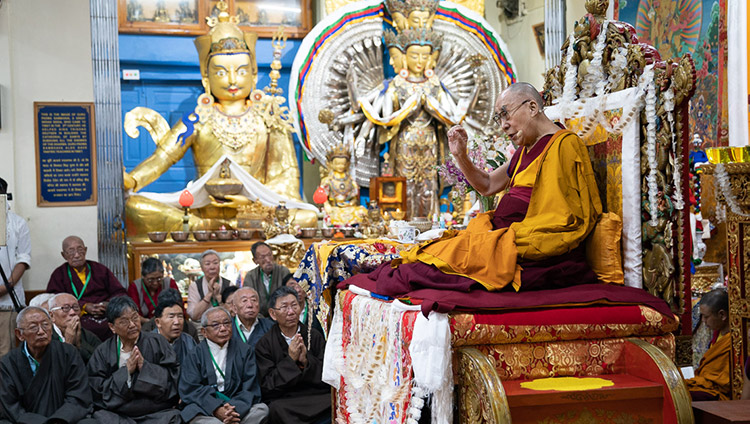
(15, 258)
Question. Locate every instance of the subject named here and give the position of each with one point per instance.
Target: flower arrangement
(488, 153)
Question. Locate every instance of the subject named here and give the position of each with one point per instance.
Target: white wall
(45, 55)
(519, 36)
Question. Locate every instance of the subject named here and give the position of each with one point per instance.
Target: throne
(598, 359)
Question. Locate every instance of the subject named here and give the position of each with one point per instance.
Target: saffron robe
(88, 344)
(102, 287)
(712, 376)
(293, 395)
(58, 391)
(563, 209)
(198, 384)
(153, 389)
(264, 324)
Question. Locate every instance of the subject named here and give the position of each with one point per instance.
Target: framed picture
(539, 35)
(188, 17)
(390, 193)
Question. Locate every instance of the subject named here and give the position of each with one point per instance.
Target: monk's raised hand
(457, 140)
(72, 331)
(302, 353)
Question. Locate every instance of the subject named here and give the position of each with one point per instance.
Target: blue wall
(170, 84)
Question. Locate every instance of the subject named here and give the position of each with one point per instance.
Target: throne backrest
(628, 106)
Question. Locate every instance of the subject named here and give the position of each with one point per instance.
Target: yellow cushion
(603, 251)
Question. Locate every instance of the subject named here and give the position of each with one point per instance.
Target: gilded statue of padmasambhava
(232, 118)
(342, 205)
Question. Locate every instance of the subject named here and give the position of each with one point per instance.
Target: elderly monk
(218, 383)
(534, 239)
(66, 322)
(92, 283)
(145, 290)
(170, 322)
(290, 369)
(712, 380)
(206, 291)
(267, 276)
(134, 374)
(43, 380)
(247, 326)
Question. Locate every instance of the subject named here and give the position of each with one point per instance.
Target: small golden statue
(280, 223)
(342, 205)
(374, 225)
(233, 119)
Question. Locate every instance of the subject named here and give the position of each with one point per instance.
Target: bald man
(91, 283)
(247, 326)
(66, 323)
(534, 239)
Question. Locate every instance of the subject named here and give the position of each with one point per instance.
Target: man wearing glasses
(43, 380)
(66, 323)
(133, 375)
(92, 284)
(218, 382)
(266, 277)
(290, 365)
(534, 238)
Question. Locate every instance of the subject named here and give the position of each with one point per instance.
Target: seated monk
(133, 375)
(43, 380)
(66, 323)
(290, 370)
(169, 318)
(145, 290)
(92, 283)
(712, 380)
(534, 239)
(219, 383)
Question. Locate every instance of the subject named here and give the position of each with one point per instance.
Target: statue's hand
(234, 201)
(457, 140)
(128, 182)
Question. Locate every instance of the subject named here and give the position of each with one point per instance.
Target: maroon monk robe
(102, 287)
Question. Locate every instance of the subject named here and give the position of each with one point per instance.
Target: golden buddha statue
(280, 223)
(342, 205)
(232, 119)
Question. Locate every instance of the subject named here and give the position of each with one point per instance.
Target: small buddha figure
(374, 225)
(280, 223)
(161, 14)
(342, 205)
(232, 118)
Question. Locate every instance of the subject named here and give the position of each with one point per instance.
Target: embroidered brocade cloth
(556, 324)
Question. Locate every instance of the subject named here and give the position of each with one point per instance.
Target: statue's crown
(405, 7)
(224, 37)
(340, 150)
(420, 37)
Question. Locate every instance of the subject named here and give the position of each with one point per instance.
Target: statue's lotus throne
(630, 109)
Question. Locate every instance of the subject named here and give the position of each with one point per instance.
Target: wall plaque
(65, 154)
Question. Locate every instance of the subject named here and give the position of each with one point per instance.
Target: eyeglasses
(217, 325)
(153, 279)
(288, 307)
(124, 321)
(67, 308)
(73, 250)
(34, 328)
(504, 115)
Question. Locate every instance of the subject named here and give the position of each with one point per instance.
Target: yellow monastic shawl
(564, 207)
(712, 375)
